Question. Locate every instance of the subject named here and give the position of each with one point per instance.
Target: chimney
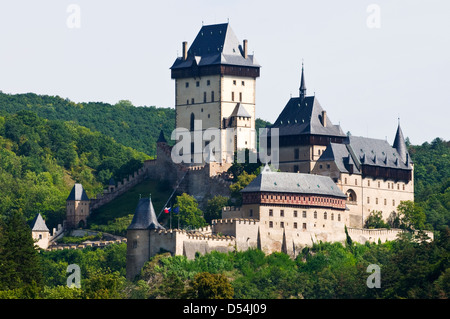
(185, 50)
(245, 49)
(324, 118)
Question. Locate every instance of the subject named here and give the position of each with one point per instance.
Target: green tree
(242, 181)
(214, 207)
(411, 216)
(375, 220)
(189, 214)
(19, 259)
(211, 286)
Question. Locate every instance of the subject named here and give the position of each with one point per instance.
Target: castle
(328, 181)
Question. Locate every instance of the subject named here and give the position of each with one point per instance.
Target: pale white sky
(365, 78)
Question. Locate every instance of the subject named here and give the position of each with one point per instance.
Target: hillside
(40, 160)
(136, 127)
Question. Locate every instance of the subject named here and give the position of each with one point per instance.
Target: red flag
(166, 210)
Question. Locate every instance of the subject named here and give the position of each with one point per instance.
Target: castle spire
(400, 145)
(302, 85)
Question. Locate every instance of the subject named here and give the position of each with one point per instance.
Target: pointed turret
(38, 224)
(400, 145)
(144, 216)
(161, 138)
(302, 85)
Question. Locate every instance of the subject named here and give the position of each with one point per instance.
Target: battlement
(194, 234)
(231, 209)
(249, 221)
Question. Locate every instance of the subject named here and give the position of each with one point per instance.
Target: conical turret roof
(400, 145)
(38, 224)
(144, 216)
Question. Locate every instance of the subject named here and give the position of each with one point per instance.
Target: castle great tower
(215, 82)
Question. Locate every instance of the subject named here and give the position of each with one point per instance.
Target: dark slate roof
(359, 151)
(375, 152)
(38, 224)
(78, 193)
(161, 138)
(400, 145)
(304, 116)
(144, 216)
(298, 183)
(215, 44)
(339, 154)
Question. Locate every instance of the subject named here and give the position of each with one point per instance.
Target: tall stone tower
(215, 82)
(138, 236)
(77, 207)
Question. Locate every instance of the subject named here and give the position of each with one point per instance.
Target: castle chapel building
(374, 175)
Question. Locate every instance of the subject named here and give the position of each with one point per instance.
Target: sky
(369, 63)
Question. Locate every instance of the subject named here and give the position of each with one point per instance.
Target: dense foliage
(136, 127)
(432, 181)
(41, 159)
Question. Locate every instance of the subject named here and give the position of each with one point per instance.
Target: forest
(47, 143)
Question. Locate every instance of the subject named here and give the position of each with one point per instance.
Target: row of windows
(390, 185)
(208, 83)
(205, 99)
(305, 213)
(282, 225)
(205, 94)
(376, 201)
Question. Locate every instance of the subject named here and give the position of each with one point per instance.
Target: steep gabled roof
(298, 183)
(215, 44)
(38, 224)
(144, 216)
(78, 193)
(304, 116)
(339, 154)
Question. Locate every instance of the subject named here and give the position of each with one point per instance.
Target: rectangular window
(368, 183)
(315, 215)
(204, 97)
(234, 82)
(270, 212)
(385, 201)
(304, 214)
(281, 213)
(295, 225)
(192, 101)
(295, 213)
(376, 200)
(282, 224)
(197, 83)
(232, 96)
(243, 83)
(368, 200)
(304, 225)
(393, 202)
(240, 96)
(208, 82)
(271, 224)
(212, 96)
(187, 84)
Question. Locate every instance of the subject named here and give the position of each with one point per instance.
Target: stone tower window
(192, 122)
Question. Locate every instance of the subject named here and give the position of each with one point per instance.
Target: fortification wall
(181, 242)
(244, 230)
